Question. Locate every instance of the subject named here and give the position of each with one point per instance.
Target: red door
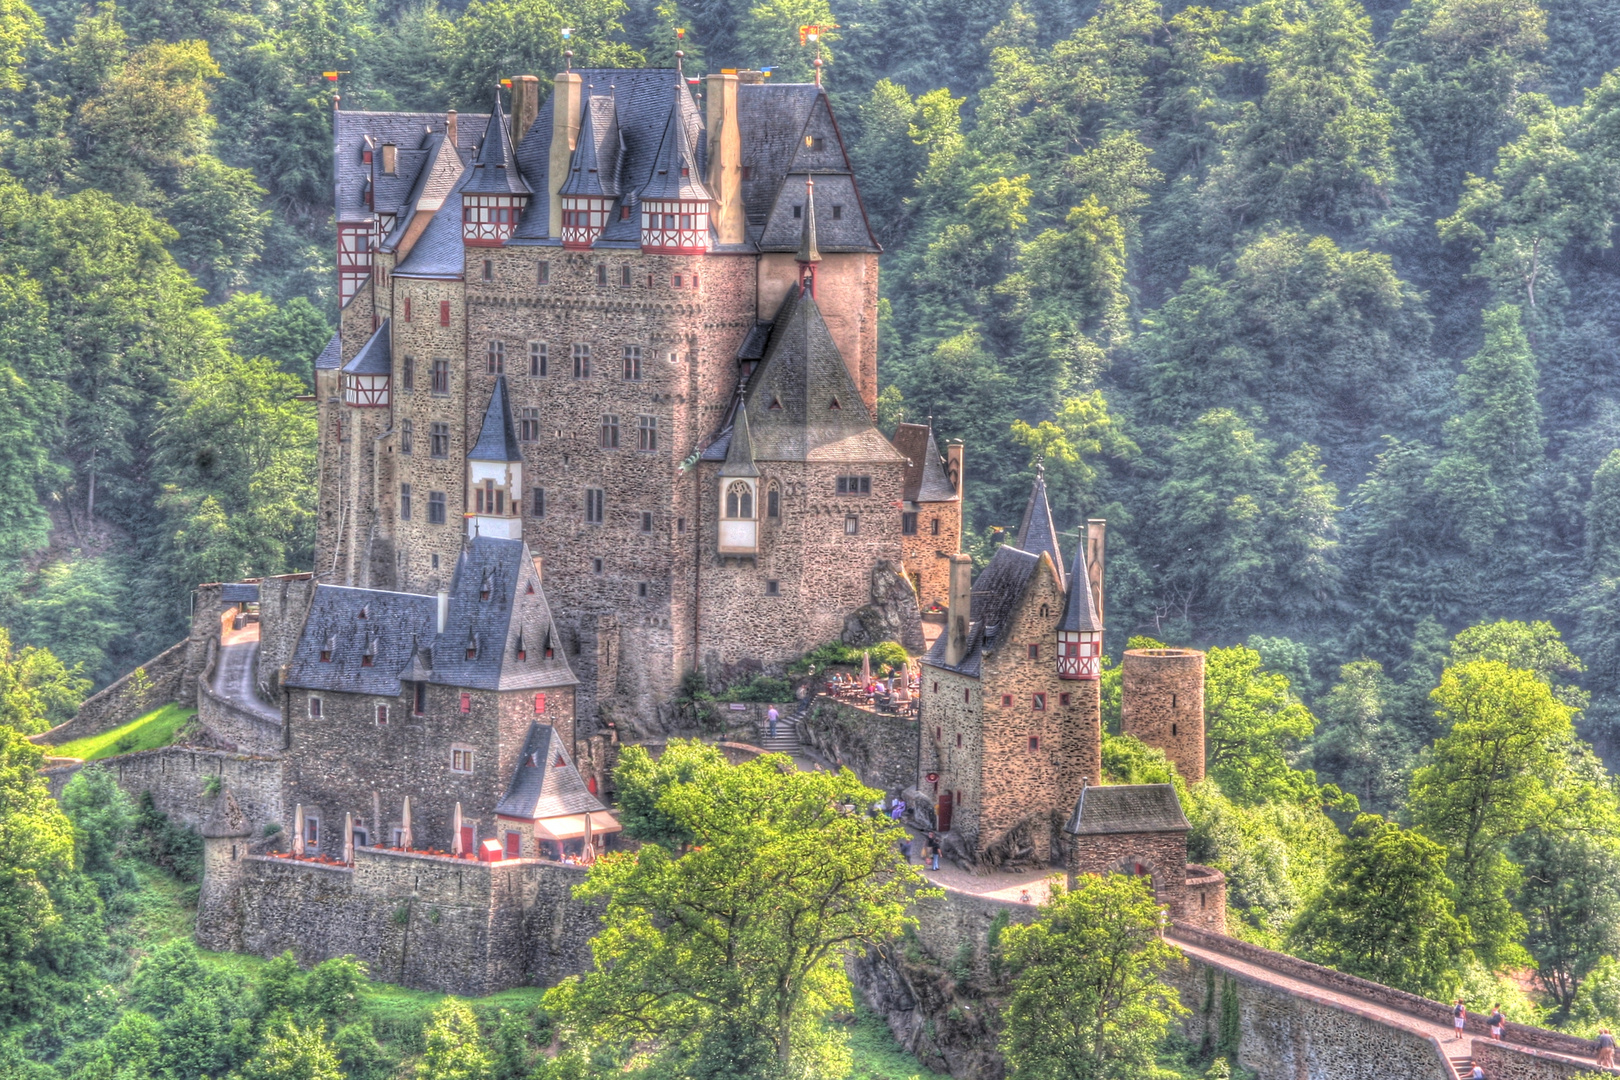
(946, 805)
(466, 840)
(514, 844)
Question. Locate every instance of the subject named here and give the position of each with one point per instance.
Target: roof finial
(680, 58)
(818, 70)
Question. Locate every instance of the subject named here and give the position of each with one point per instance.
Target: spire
(1037, 533)
(493, 170)
(1080, 610)
(675, 173)
(808, 253)
(740, 454)
(497, 440)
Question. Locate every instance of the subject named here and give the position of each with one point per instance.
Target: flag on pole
(332, 76)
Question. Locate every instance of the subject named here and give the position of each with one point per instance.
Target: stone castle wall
(283, 605)
(1162, 703)
(882, 750)
(120, 702)
(1505, 1061)
(452, 926)
(178, 778)
(248, 732)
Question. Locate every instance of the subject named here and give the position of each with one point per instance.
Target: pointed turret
(675, 205)
(495, 472)
(592, 185)
(740, 453)
(495, 193)
(1037, 533)
(1079, 632)
(497, 439)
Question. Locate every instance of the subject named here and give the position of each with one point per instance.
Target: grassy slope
(157, 728)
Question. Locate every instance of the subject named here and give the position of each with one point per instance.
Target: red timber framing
(1078, 654)
(675, 227)
(583, 219)
(355, 245)
(489, 220)
(366, 391)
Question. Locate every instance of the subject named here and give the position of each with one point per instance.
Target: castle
(640, 336)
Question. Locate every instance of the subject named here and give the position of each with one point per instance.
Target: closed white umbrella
(455, 832)
(348, 837)
(406, 841)
(298, 829)
(866, 670)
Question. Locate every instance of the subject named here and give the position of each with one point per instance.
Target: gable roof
(740, 450)
(540, 788)
(803, 404)
(226, 818)
(376, 356)
(435, 181)
(332, 355)
(925, 471)
(1080, 608)
(356, 131)
(497, 439)
(1037, 533)
(1127, 808)
(496, 608)
(494, 170)
(995, 591)
(439, 252)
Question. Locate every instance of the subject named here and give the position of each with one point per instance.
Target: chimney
(953, 470)
(725, 157)
(1096, 529)
(444, 608)
(959, 608)
(450, 127)
(566, 102)
(525, 106)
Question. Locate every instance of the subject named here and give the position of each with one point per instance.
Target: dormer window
(488, 220)
(739, 529)
(390, 159)
(583, 219)
(673, 226)
(834, 406)
(1079, 654)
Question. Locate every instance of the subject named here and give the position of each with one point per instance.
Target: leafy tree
(37, 691)
(494, 39)
(769, 35)
(1088, 1000)
(453, 1048)
(1386, 913)
(1603, 518)
(642, 783)
(36, 849)
(293, 1053)
(1360, 745)
(74, 609)
(102, 817)
(217, 214)
(1490, 776)
(733, 952)
(1252, 723)
(1571, 905)
(291, 334)
(20, 29)
(1536, 646)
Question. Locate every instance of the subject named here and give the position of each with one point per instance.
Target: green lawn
(157, 728)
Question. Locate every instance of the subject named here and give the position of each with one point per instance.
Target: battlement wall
(178, 778)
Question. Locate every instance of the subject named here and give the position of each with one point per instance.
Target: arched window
(739, 500)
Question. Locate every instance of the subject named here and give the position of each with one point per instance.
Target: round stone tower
(226, 834)
(1162, 703)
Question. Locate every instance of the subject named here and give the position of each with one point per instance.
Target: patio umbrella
(298, 829)
(348, 836)
(455, 832)
(406, 841)
(866, 669)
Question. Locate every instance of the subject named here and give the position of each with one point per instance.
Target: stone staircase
(787, 732)
(1462, 1066)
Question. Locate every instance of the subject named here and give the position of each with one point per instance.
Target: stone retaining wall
(177, 777)
(882, 750)
(1286, 1036)
(247, 731)
(431, 923)
(118, 703)
(1433, 1011)
(1504, 1061)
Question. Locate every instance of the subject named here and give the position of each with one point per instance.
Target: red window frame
(444, 313)
(539, 703)
(466, 702)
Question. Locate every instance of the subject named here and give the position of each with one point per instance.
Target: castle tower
(931, 520)
(1162, 704)
(1036, 533)
(225, 834)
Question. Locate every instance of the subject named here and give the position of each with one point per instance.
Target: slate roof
(808, 252)
(497, 439)
(1080, 609)
(492, 612)
(354, 132)
(331, 356)
(925, 471)
(740, 450)
(439, 252)
(240, 592)
(540, 788)
(376, 356)
(595, 168)
(1127, 808)
(494, 171)
(675, 172)
(791, 397)
(1037, 533)
(753, 346)
(434, 181)
(995, 591)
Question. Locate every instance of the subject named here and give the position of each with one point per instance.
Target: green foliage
(733, 951)
(293, 1053)
(1252, 722)
(1088, 997)
(1386, 912)
(642, 783)
(37, 691)
(36, 852)
(453, 1048)
(157, 728)
(886, 656)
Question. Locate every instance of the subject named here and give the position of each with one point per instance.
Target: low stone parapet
(124, 700)
(882, 750)
(1505, 1061)
(179, 779)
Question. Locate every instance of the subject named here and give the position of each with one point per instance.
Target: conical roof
(226, 818)
(493, 171)
(740, 453)
(594, 170)
(675, 173)
(808, 253)
(1080, 611)
(497, 439)
(1037, 533)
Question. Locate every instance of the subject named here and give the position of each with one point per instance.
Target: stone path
(234, 672)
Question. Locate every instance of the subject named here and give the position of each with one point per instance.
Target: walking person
(1459, 1019)
(933, 851)
(1497, 1020)
(1477, 1074)
(1605, 1047)
(771, 717)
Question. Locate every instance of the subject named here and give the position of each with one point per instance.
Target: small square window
(773, 503)
(965, 696)
(407, 433)
(1006, 701)
(773, 587)
(601, 273)
(935, 524)
(539, 360)
(624, 215)
(435, 512)
(1034, 743)
(542, 275)
(489, 269)
(646, 521)
(596, 565)
(1063, 699)
(624, 274)
(647, 433)
(680, 526)
(958, 738)
(444, 313)
(852, 524)
(641, 590)
(595, 506)
(539, 703)
(404, 502)
(382, 716)
(582, 360)
(441, 376)
(495, 358)
(632, 363)
(439, 440)
(1038, 702)
(908, 523)
(1034, 652)
(315, 702)
(407, 371)
(936, 686)
(537, 503)
(798, 211)
(461, 761)
(838, 212)
(529, 425)
(609, 436)
(854, 485)
(312, 831)
(675, 281)
(419, 700)
(466, 702)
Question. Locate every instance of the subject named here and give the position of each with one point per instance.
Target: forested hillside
(1315, 303)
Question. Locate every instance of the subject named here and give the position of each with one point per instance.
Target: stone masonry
(1162, 704)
